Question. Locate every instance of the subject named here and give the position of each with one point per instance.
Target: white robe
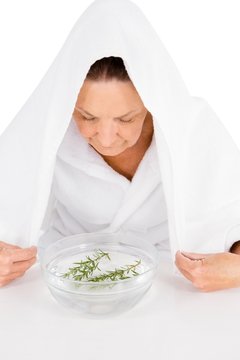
(89, 196)
(200, 163)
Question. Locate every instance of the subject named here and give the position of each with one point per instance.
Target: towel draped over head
(200, 163)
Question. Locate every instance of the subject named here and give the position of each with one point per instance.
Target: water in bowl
(101, 298)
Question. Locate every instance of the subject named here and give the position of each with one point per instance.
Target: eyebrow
(78, 108)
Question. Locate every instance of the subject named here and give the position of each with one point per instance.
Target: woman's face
(110, 115)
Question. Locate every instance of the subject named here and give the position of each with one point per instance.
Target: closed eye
(121, 120)
(126, 121)
(84, 118)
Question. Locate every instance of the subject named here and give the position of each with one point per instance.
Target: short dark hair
(108, 68)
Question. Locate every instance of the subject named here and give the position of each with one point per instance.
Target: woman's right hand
(15, 261)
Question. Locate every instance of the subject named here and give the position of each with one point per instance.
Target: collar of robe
(200, 163)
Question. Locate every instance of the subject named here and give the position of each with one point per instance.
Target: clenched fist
(210, 272)
(15, 261)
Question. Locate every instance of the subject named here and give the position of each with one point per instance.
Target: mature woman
(108, 151)
(129, 149)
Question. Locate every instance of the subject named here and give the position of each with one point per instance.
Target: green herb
(85, 269)
(117, 274)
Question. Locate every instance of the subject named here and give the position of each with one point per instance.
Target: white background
(201, 36)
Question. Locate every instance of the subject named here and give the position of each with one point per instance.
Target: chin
(109, 152)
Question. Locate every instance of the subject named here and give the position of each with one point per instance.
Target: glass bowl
(107, 297)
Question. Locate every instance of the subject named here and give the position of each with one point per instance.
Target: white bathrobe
(89, 196)
(199, 161)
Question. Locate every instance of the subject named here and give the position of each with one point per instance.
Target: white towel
(199, 161)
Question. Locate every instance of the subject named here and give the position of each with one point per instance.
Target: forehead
(108, 95)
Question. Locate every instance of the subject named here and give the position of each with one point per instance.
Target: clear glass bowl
(108, 297)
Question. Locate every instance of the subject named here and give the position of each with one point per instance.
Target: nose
(106, 134)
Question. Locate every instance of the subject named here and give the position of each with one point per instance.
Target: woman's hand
(210, 272)
(14, 261)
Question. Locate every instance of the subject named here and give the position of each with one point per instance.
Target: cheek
(86, 130)
(132, 134)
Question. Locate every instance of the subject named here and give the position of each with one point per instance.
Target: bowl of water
(99, 274)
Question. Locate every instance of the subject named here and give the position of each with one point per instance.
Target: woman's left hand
(210, 272)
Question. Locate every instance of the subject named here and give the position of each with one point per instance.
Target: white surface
(172, 321)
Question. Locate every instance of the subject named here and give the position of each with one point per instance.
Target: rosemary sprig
(117, 274)
(86, 268)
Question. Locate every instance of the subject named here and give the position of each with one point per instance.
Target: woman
(108, 151)
(169, 172)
